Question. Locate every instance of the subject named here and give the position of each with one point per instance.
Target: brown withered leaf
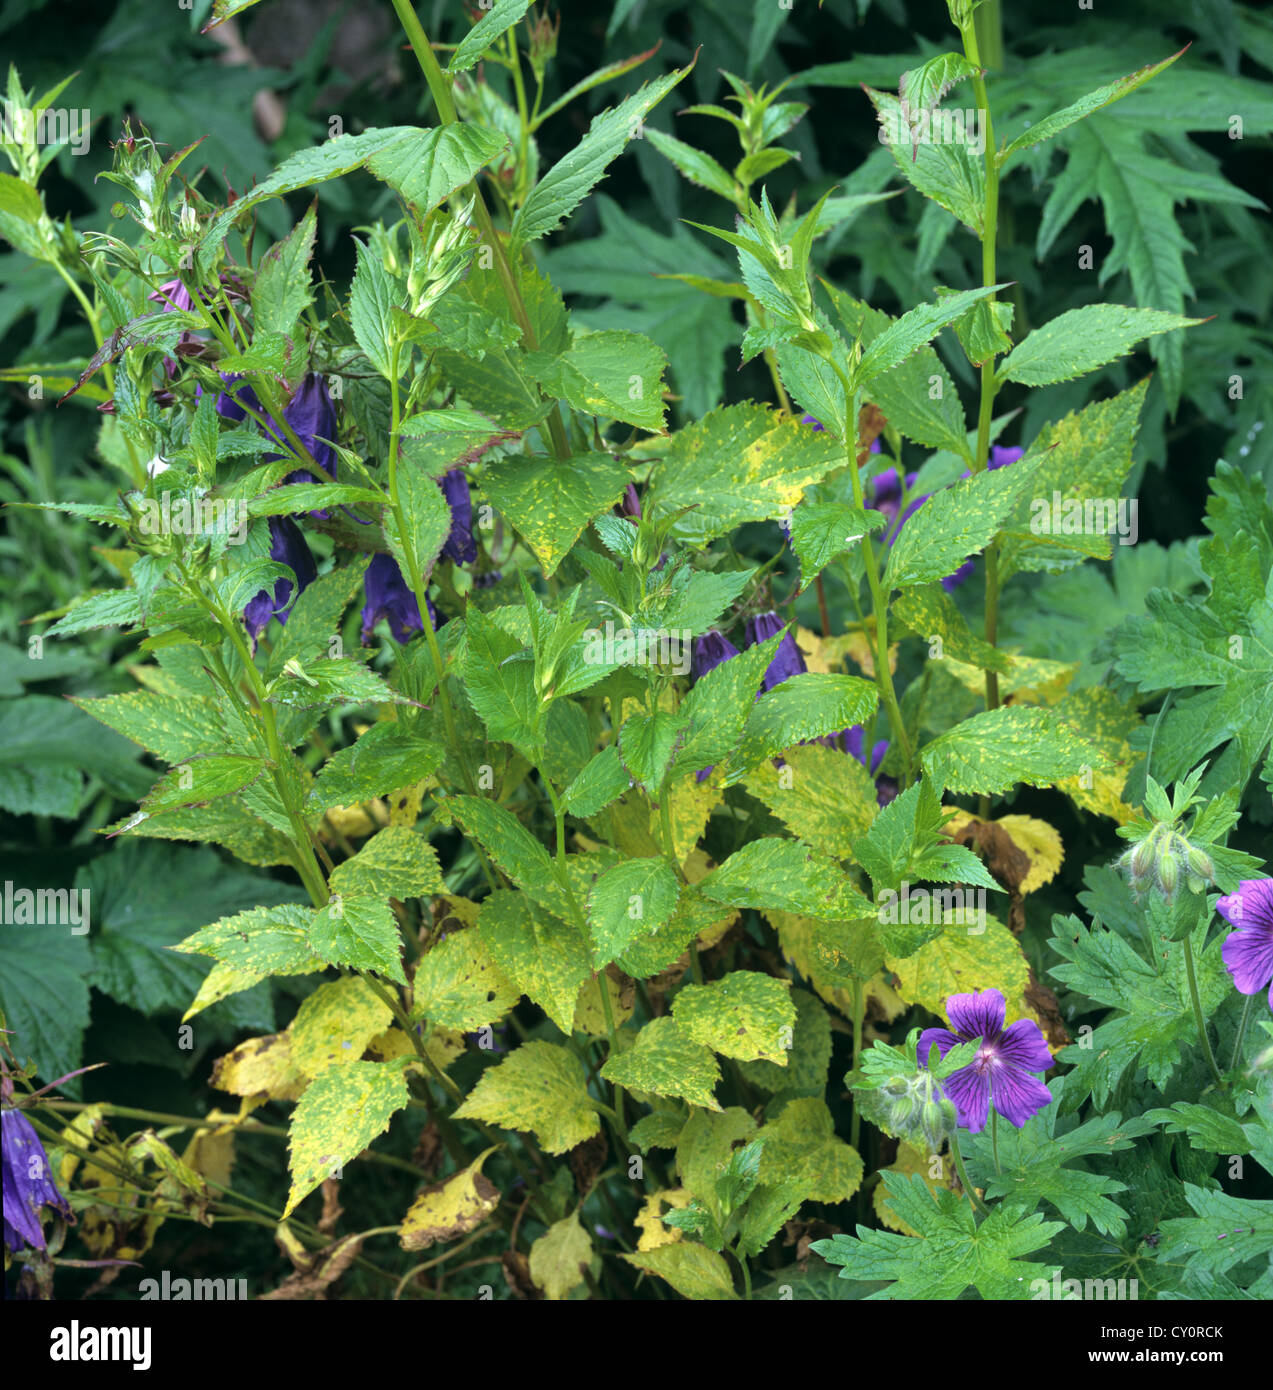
(516, 1269)
(1008, 863)
(587, 1160)
(325, 1267)
(332, 1209)
(1044, 1003)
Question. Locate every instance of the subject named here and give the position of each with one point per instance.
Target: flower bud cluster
(918, 1111)
(445, 261)
(1163, 860)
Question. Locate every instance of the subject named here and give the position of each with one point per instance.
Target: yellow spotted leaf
(694, 1271)
(450, 1208)
(824, 796)
(745, 1014)
(260, 1067)
(334, 1025)
(664, 1061)
(539, 1087)
(343, 1109)
(961, 961)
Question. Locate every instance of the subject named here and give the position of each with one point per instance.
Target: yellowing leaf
(539, 1087)
(803, 1157)
(260, 1067)
(560, 1257)
(590, 1014)
(693, 1270)
(335, 1024)
(649, 1219)
(1106, 724)
(1038, 840)
(824, 796)
(746, 1014)
(740, 463)
(342, 1111)
(540, 955)
(549, 501)
(458, 984)
(663, 1061)
(961, 961)
(450, 1208)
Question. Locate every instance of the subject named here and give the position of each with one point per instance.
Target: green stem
(994, 1139)
(1197, 1011)
(883, 676)
(440, 87)
(989, 383)
(859, 1010)
(963, 1176)
(1241, 1037)
(307, 865)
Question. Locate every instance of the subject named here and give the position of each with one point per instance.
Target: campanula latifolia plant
(594, 836)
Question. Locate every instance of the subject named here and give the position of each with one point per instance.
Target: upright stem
(883, 676)
(963, 1176)
(440, 88)
(859, 1009)
(989, 385)
(1198, 1018)
(1237, 1042)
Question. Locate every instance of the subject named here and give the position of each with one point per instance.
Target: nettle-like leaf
(1072, 509)
(539, 1087)
(573, 177)
(950, 1253)
(957, 522)
(740, 463)
(341, 1112)
(994, 750)
(550, 501)
(1082, 340)
(665, 1061)
(615, 375)
(745, 1015)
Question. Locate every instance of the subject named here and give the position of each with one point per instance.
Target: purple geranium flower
(27, 1185)
(389, 596)
(630, 503)
(1000, 1073)
(460, 545)
(1248, 949)
(287, 546)
(787, 660)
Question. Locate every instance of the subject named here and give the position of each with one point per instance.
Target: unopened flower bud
(1200, 864)
(1169, 873)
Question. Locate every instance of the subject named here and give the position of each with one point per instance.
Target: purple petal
(969, 1088)
(708, 651)
(1248, 957)
(1251, 905)
(1022, 1045)
(977, 1015)
(1017, 1095)
(941, 1038)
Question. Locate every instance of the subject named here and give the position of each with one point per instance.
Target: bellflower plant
(612, 876)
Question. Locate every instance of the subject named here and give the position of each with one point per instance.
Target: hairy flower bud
(1169, 872)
